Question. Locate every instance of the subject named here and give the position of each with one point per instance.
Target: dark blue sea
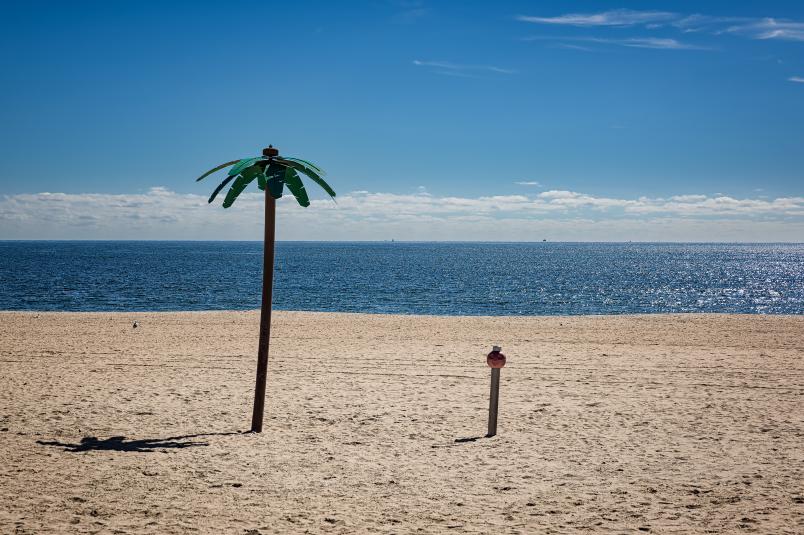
(406, 278)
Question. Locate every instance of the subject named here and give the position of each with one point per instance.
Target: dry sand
(665, 424)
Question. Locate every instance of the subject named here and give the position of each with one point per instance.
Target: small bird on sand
(135, 324)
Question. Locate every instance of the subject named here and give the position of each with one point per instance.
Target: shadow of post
(469, 439)
(140, 445)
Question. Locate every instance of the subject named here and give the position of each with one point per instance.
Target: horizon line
(393, 240)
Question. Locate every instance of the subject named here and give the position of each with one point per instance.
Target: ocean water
(406, 278)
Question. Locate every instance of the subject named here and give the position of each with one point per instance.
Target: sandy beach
(608, 424)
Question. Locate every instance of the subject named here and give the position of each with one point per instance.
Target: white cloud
(458, 69)
(752, 28)
(769, 29)
(555, 214)
(529, 183)
(653, 42)
(796, 79)
(633, 42)
(617, 17)
(568, 46)
(412, 14)
(688, 198)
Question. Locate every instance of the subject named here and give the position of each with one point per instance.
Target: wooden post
(494, 401)
(265, 311)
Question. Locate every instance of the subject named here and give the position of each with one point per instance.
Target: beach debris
(136, 325)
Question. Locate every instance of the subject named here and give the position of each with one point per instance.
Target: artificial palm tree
(272, 174)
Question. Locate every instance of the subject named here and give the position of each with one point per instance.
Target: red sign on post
(495, 359)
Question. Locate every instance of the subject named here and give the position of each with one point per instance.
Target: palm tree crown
(272, 172)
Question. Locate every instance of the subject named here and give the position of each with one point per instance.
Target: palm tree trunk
(265, 311)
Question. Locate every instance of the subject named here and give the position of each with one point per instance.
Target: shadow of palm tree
(141, 445)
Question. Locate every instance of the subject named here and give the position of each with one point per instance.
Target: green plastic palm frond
(296, 187)
(220, 187)
(321, 182)
(271, 173)
(218, 168)
(240, 183)
(309, 172)
(314, 167)
(242, 164)
(276, 179)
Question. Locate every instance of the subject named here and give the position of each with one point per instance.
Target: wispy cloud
(651, 42)
(704, 23)
(654, 42)
(163, 214)
(752, 28)
(617, 17)
(796, 79)
(769, 29)
(529, 183)
(568, 46)
(459, 69)
(632, 42)
(410, 11)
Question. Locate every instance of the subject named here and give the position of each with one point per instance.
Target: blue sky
(652, 120)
